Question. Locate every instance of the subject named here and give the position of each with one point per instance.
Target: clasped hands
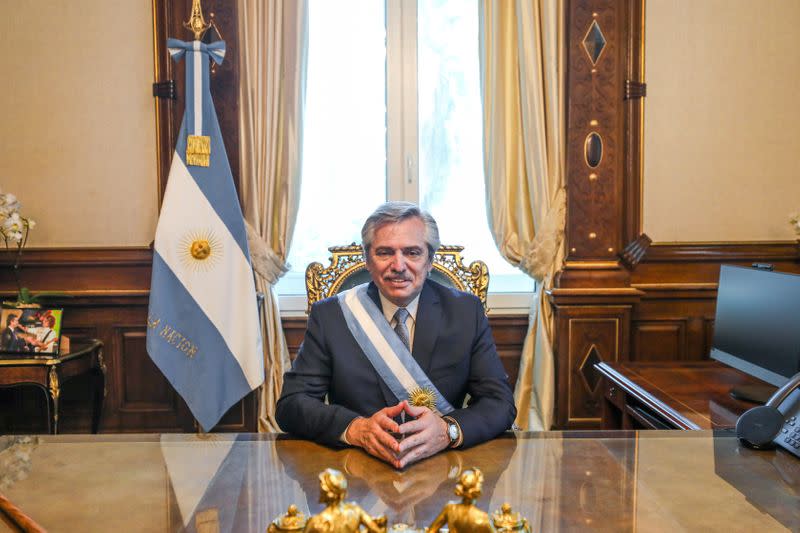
(423, 435)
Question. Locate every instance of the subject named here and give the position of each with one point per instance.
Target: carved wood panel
(659, 341)
(586, 334)
(594, 99)
(136, 394)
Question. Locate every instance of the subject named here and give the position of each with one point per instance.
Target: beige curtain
(522, 78)
(272, 59)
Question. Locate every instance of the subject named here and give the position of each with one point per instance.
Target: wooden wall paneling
(143, 398)
(294, 329)
(594, 99)
(607, 254)
(664, 340)
(594, 335)
(589, 328)
(509, 333)
(686, 308)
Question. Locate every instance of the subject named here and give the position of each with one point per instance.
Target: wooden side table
(49, 373)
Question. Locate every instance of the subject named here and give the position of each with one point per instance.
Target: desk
(571, 481)
(671, 395)
(49, 373)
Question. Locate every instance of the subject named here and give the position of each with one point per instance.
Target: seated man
(374, 347)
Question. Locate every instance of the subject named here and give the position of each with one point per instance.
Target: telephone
(776, 422)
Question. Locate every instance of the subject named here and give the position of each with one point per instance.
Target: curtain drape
(522, 83)
(272, 59)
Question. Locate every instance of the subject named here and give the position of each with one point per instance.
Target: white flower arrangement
(795, 222)
(14, 229)
(13, 226)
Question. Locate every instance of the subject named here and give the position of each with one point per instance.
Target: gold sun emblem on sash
(422, 397)
(200, 250)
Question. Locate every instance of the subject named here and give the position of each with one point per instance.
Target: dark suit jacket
(452, 343)
(10, 342)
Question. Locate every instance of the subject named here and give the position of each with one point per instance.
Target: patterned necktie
(400, 328)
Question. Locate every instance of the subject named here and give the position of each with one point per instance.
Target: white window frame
(402, 145)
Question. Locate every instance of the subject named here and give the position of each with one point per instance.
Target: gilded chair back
(347, 269)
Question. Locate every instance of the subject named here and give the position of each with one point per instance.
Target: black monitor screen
(757, 325)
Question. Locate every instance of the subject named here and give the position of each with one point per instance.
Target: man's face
(14, 323)
(398, 260)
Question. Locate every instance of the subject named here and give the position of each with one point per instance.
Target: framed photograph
(30, 331)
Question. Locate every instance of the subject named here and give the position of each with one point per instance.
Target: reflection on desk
(595, 481)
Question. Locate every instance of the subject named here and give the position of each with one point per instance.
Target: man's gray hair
(394, 212)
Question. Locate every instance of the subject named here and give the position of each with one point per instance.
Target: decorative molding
(724, 252)
(71, 257)
(635, 251)
(595, 297)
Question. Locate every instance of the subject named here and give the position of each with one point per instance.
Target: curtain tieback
(266, 262)
(539, 255)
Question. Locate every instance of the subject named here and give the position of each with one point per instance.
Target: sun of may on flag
(203, 324)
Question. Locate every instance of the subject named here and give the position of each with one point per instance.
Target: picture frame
(30, 331)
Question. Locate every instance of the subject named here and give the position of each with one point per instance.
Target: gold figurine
(464, 516)
(196, 23)
(338, 516)
(506, 521)
(293, 520)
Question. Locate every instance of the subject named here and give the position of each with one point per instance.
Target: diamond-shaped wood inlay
(591, 377)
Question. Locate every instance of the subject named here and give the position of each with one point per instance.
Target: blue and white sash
(384, 349)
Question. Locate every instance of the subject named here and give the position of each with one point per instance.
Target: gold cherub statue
(292, 521)
(506, 521)
(338, 516)
(464, 516)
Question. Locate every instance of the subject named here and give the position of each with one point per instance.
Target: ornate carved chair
(348, 269)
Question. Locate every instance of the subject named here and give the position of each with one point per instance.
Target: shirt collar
(389, 308)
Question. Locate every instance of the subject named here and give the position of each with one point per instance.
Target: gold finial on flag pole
(196, 22)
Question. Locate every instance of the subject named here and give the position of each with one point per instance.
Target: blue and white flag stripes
(384, 349)
(203, 324)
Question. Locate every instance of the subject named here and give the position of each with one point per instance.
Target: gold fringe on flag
(198, 150)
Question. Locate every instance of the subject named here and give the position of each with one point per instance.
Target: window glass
(451, 183)
(344, 135)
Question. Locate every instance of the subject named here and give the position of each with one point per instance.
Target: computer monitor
(757, 325)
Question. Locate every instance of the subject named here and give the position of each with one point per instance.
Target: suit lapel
(428, 322)
(388, 395)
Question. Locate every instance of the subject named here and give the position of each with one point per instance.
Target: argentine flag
(203, 325)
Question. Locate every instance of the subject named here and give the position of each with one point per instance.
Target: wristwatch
(453, 431)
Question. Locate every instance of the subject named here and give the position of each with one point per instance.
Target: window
(393, 111)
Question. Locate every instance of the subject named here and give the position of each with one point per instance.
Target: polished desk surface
(688, 394)
(587, 481)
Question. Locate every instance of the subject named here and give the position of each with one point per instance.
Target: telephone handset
(776, 422)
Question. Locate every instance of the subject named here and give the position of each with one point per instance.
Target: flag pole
(196, 23)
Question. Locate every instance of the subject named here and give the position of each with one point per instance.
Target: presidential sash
(384, 349)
